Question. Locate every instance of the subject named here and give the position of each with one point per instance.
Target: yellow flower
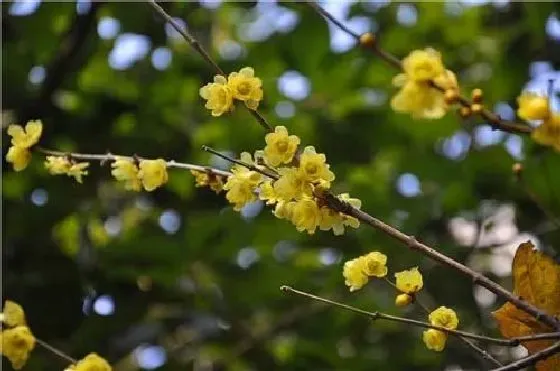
(125, 170)
(153, 173)
(23, 139)
(13, 314)
(420, 99)
(434, 339)
(409, 281)
(354, 273)
(77, 170)
(218, 95)
(306, 215)
(402, 300)
(242, 184)
(57, 165)
(246, 87)
(548, 133)
(375, 264)
(314, 168)
(26, 137)
(280, 147)
(292, 184)
(444, 317)
(267, 193)
(19, 157)
(284, 209)
(533, 106)
(92, 362)
(204, 179)
(423, 65)
(17, 343)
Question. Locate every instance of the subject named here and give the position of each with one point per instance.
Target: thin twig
(111, 157)
(411, 242)
(239, 162)
(58, 352)
(532, 359)
(389, 317)
(494, 120)
(195, 44)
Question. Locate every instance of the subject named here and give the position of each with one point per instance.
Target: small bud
(476, 108)
(450, 96)
(517, 168)
(465, 112)
(477, 95)
(367, 39)
(403, 300)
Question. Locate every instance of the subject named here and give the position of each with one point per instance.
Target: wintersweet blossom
(22, 140)
(444, 317)
(280, 147)
(314, 168)
(208, 179)
(17, 343)
(218, 95)
(152, 173)
(242, 184)
(13, 314)
(246, 87)
(434, 339)
(357, 271)
(125, 170)
(533, 106)
(58, 165)
(306, 215)
(423, 65)
(409, 281)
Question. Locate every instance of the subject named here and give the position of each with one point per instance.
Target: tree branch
(494, 120)
(532, 359)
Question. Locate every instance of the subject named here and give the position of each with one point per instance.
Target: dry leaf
(536, 279)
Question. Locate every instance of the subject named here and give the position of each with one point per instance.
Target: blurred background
(175, 279)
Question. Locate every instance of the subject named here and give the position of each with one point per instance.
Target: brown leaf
(536, 278)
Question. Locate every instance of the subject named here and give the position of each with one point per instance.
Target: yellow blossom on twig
(152, 173)
(409, 281)
(444, 317)
(434, 339)
(280, 147)
(533, 106)
(218, 95)
(92, 362)
(125, 170)
(17, 343)
(13, 314)
(246, 87)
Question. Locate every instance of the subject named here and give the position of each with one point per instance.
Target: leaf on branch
(536, 279)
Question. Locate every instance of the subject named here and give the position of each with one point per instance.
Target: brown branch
(195, 44)
(532, 359)
(373, 45)
(111, 157)
(413, 244)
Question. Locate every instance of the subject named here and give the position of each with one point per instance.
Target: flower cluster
(290, 181)
(408, 282)
(417, 95)
(357, 271)
(242, 85)
(19, 153)
(17, 342)
(442, 317)
(536, 107)
(150, 174)
(58, 165)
